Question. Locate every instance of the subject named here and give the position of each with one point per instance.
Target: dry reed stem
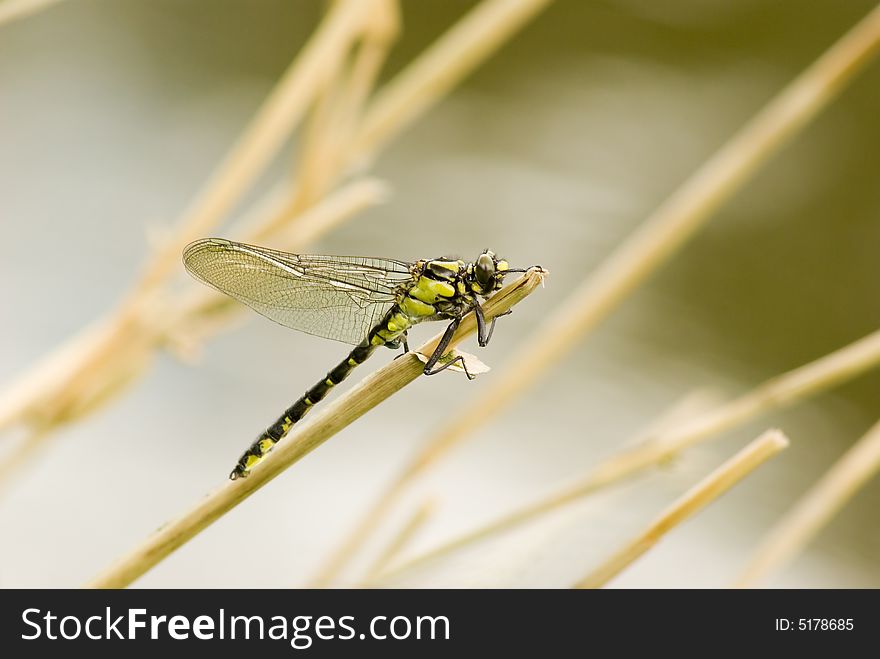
(659, 447)
(338, 112)
(403, 537)
(694, 500)
(92, 355)
(686, 408)
(323, 424)
(371, 55)
(783, 390)
(12, 10)
(815, 509)
(651, 245)
(452, 57)
(49, 392)
(268, 130)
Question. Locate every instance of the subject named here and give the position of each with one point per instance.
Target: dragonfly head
(488, 272)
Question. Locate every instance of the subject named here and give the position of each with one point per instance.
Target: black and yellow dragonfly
(362, 301)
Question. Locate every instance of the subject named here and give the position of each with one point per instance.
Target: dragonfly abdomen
(393, 326)
(293, 414)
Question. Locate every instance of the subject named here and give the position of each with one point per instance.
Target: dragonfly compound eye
(485, 271)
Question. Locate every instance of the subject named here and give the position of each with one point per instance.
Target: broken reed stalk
(694, 500)
(649, 247)
(686, 408)
(815, 509)
(323, 424)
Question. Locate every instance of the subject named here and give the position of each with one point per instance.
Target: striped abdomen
(292, 415)
(416, 304)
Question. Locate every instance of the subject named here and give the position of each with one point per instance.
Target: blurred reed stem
(685, 408)
(815, 509)
(666, 440)
(694, 500)
(401, 539)
(322, 424)
(479, 34)
(310, 72)
(649, 247)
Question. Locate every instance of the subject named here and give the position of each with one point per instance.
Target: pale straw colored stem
(783, 390)
(686, 408)
(403, 537)
(316, 155)
(322, 424)
(331, 128)
(443, 65)
(650, 246)
(335, 208)
(12, 10)
(267, 132)
(694, 500)
(371, 54)
(815, 509)
(824, 373)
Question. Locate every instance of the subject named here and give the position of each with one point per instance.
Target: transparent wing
(335, 297)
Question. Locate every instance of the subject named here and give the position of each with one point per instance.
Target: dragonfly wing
(334, 297)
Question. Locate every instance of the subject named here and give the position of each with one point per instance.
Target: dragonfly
(362, 301)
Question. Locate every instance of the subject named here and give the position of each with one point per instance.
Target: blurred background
(113, 114)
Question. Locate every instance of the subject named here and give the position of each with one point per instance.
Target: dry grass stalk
(686, 408)
(401, 539)
(659, 446)
(322, 424)
(12, 10)
(71, 380)
(339, 110)
(824, 373)
(815, 509)
(694, 500)
(442, 66)
(666, 230)
(272, 125)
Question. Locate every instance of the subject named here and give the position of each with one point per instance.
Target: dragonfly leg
(441, 350)
(492, 326)
(483, 337)
(401, 341)
(457, 360)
